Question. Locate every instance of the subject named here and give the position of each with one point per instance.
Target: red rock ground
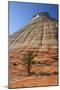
(45, 70)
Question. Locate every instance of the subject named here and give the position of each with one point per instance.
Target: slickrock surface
(41, 37)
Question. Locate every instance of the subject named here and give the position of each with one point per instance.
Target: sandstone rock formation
(41, 37)
(42, 31)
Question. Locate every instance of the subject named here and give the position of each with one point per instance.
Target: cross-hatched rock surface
(41, 32)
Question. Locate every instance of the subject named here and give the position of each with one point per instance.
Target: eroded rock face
(42, 31)
(41, 37)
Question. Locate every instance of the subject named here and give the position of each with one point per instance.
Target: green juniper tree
(28, 61)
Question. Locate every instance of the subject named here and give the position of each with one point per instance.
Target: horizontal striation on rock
(42, 31)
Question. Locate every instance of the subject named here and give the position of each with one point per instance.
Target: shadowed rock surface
(41, 37)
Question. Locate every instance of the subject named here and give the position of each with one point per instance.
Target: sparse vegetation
(28, 61)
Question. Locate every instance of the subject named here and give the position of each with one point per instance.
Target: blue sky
(20, 13)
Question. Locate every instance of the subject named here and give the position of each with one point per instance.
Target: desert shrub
(28, 58)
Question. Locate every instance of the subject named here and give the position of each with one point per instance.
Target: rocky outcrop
(42, 31)
(41, 37)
